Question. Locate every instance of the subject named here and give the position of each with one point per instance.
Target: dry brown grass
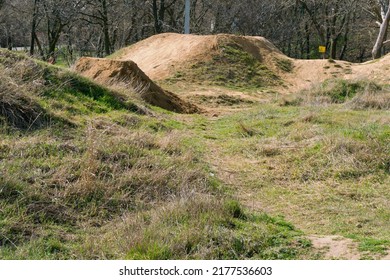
(357, 95)
(17, 108)
(369, 99)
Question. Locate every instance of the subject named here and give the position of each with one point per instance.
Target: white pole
(187, 17)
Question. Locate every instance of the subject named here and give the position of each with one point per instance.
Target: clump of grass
(19, 109)
(246, 130)
(223, 230)
(377, 98)
(221, 100)
(374, 245)
(286, 65)
(291, 100)
(336, 91)
(357, 94)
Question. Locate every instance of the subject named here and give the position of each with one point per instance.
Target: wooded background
(353, 30)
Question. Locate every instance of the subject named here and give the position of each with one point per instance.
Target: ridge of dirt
(127, 75)
(308, 73)
(162, 55)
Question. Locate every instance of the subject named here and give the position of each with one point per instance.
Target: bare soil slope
(170, 55)
(161, 56)
(308, 73)
(126, 74)
(377, 70)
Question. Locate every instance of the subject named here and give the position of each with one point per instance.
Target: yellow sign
(322, 49)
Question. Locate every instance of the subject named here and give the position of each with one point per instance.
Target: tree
(384, 18)
(99, 27)
(96, 12)
(33, 28)
(331, 19)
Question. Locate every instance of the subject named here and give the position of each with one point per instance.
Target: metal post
(187, 17)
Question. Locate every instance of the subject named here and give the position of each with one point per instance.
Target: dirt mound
(240, 62)
(126, 74)
(376, 70)
(310, 73)
(163, 56)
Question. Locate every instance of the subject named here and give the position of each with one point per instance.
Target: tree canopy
(354, 30)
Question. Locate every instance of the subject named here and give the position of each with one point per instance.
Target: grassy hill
(91, 173)
(87, 172)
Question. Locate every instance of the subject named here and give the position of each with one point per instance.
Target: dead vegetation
(357, 95)
(17, 108)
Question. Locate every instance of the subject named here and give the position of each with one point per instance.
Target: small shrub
(234, 209)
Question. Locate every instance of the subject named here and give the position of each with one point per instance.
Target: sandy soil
(160, 56)
(163, 55)
(336, 247)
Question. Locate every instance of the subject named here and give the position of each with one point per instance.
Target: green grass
(100, 179)
(232, 67)
(326, 169)
(286, 65)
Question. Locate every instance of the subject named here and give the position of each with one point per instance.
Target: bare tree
(99, 27)
(384, 19)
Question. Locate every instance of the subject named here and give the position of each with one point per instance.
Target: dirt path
(336, 247)
(231, 168)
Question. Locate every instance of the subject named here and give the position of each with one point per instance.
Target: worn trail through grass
(324, 169)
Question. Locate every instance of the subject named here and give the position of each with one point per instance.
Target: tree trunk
(53, 39)
(187, 15)
(377, 50)
(333, 48)
(307, 31)
(106, 31)
(9, 41)
(158, 15)
(33, 27)
(41, 52)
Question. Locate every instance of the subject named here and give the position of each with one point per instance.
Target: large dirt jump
(217, 71)
(127, 75)
(163, 55)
